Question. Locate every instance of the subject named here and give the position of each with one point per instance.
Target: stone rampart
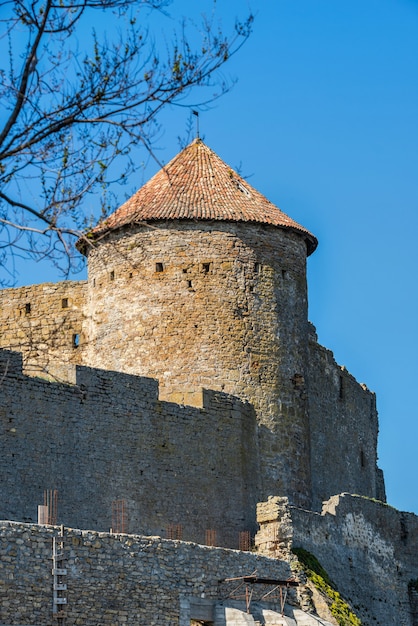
(343, 430)
(51, 325)
(117, 580)
(44, 323)
(109, 437)
(368, 549)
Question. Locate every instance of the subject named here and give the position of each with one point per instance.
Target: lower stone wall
(116, 580)
(368, 549)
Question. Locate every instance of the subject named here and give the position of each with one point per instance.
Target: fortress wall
(344, 429)
(44, 322)
(109, 437)
(116, 579)
(369, 550)
(215, 305)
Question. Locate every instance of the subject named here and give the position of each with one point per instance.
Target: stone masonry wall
(343, 430)
(101, 429)
(369, 550)
(44, 322)
(116, 580)
(109, 437)
(214, 305)
(316, 429)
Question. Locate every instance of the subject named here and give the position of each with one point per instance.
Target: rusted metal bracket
(244, 588)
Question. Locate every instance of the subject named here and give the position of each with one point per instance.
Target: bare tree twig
(73, 116)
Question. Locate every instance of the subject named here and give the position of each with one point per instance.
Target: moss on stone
(375, 500)
(319, 577)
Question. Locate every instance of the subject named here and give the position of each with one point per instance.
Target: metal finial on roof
(197, 123)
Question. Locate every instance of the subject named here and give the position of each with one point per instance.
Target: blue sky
(323, 121)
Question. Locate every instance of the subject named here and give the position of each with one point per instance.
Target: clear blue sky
(324, 121)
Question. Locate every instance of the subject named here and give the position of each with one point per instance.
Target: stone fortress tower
(200, 282)
(183, 381)
(197, 282)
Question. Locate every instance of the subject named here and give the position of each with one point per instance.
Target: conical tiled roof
(198, 185)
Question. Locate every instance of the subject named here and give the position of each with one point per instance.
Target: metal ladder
(59, 573)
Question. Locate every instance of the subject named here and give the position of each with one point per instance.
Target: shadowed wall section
(173, 464)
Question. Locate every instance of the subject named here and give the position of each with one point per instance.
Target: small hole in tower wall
(284, 274)
(362, 459)
(64, 303)
(257, 268)
(76, 340)
(159, 267)
(112, 275)
(28, 308)
(189, 284)
(205, 267)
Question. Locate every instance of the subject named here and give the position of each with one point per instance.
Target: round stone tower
(200, 282)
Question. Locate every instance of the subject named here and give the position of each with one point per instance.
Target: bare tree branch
(27, 70)
(74, 111)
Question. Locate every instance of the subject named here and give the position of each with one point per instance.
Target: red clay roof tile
(198, 185)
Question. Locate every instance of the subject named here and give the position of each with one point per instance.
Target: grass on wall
(319, 577)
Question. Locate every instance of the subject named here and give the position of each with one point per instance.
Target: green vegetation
(389, 506)
(319, 577)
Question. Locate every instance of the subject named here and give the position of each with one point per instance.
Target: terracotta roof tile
(198, 185)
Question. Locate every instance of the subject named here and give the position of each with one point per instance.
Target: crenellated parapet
(110, 437)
